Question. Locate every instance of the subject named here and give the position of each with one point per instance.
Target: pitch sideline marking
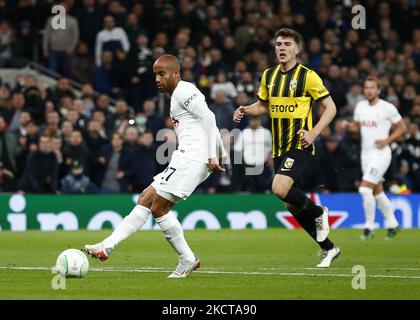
(162, 270)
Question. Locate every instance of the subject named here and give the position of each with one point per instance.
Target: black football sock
(298, 198)
(308, 224)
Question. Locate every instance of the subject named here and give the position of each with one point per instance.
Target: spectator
(77, 122)
(116, 166)
(60, 90)
(110, 39)
(145, 164)
(66, 129)
(253, 145)
(133, 28)
(106, 75)
(103, 105)
(82, 64)
(245, 33)
(88, 100)
(57, 148)
(140, 59)
(34, 103)
(140, 122)
(335, 87)
(76, 150)
(337, 170)
(20, 129)
(76, 182)
(24, 43)
(59, 44)
(95, 140)
(230, 54)
(223, 110)
(261, 42)
(181, 42)
(246, 84)
(41, 171)
(354, 95)
(217, 64)
(9, 147)
(90, 16)
(52, 124)
(6, 41)
(131, 138)
(116, 10)
(154, 121)
(222, 84)
(122, 114)
(18, 104)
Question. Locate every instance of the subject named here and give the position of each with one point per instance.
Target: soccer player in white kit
(199, 149)
(375, 117)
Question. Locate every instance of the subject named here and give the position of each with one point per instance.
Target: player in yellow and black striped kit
(288, 91)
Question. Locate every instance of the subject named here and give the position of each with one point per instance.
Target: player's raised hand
(238, 114)
(214, 165)
(306, 137)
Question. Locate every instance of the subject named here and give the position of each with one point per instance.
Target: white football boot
(184, 269)
(327, 256)
(322, 225)
(98, 251)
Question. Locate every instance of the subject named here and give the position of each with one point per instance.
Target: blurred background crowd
(103, 135)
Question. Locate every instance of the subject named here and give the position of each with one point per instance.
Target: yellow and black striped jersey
(290, 96)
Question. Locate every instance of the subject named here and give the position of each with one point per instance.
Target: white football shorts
(180, 178)
(375, 163)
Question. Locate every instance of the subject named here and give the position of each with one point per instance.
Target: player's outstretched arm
(255, 109)
(330, 110)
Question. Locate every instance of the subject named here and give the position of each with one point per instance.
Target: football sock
(131, 224)
(386, 208)
(369, 206)
(298, 198)
(308, 224)
(174, 234)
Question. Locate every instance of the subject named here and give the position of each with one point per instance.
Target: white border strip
(245, 273)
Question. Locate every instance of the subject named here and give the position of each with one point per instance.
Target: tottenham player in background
(287, 92)
(375, 117)
(199, 149)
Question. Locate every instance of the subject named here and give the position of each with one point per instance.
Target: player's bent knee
(280, 192)
(365, 190)
(146, 197)
(156, 210)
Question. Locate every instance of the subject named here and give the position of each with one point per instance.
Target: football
(72, 263)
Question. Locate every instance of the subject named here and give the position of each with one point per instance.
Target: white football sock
(173, 232)
(386, 208)
(131, 224)
(369, 206)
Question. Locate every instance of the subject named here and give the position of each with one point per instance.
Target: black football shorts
(293, 163)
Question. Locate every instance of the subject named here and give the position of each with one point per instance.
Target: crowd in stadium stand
(55, 141)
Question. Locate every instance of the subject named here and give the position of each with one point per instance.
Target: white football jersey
(192, 137)
(375, 122)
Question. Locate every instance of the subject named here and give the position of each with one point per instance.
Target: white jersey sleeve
(193, 101)
(393, 114)
(198, 107)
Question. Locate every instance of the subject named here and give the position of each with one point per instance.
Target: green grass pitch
(246, 264)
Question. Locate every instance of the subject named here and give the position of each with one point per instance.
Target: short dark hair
(290, 33)
(374, 79)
